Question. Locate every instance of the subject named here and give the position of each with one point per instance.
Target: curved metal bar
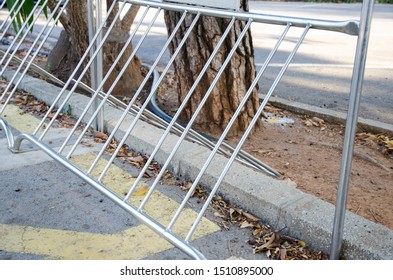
(350, 27)
(187, 248)
(8, 133)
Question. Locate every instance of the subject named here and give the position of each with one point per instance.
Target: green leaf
(27, 9)
(21, 13)
(14, 14)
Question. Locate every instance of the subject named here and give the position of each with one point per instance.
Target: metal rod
(350, 27)
(96, 68)
(93, 67)
(99, 68)
(197, 111)
(143, 107)
(350, 131)
(30, 25)
(28, 53)
(124, 68)
(185, 247)
(228, 127)
(74, 73)
(246, 133)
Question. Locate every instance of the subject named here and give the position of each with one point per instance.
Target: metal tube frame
(74, 73)
(99, 105)
(28, 53)
(350, 27)
(21, 31)
(95, 64)
(350, 130)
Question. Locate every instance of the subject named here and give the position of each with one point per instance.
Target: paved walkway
(49, 213)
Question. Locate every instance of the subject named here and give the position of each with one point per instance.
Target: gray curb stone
(330, 115)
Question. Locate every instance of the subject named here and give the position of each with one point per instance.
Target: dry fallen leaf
(250, 217)
(219, 215)
(141, 190)
(138, 161)
(382, 142)
(246, 224)
(100, 135)
(283, 254)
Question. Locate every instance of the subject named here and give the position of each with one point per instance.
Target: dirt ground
(308, 151)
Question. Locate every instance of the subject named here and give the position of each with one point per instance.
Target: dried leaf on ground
(141, 190)
(100, 136)
(137, 161)
(315, 122)
(383, 142)
(251, 217)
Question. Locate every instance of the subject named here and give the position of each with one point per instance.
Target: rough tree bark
(231, 87)
(74, 41)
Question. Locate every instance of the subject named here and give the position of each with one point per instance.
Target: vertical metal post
(96, 69)
(100, 58)
(350, 131)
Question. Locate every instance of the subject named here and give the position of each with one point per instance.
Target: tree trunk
(74, 41)
(233, 84)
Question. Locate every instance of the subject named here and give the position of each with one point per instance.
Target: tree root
(357, 154)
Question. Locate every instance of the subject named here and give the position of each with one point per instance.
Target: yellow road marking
(19, 119)
(134, 243)
(116, 179)
(160, 207)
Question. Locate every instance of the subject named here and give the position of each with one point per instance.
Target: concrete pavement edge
(331, 116)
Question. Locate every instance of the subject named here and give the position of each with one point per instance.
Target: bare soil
(308, 151)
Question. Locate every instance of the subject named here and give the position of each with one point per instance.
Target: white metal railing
(93, 114)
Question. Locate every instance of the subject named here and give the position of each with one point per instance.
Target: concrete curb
(330, 115)
(277, 202)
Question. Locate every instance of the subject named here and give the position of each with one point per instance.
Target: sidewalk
(49, 213)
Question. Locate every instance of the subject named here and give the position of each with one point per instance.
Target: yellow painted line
(160, 207)
(134, 243)
(19, 119)
(116, 179)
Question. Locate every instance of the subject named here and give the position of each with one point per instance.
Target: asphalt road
(320, 74)
(321, 70)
